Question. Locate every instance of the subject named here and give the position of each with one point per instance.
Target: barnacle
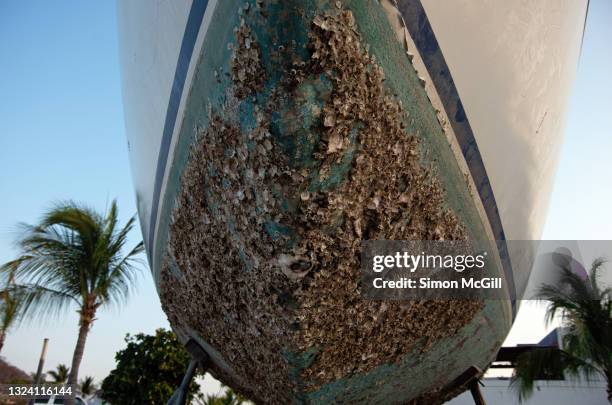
(267, 227)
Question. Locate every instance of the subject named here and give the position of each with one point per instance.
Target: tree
(60, 374)
(148, 370)
(87, 386)
(586, 310)
(43, 377)
(74, 256)
(229, 397)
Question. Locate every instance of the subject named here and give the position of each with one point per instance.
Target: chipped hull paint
(273, 174)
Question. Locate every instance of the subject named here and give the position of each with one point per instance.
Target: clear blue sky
(62, 136)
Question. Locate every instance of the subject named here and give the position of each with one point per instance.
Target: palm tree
(87, 386)
(75, 256)
(12, 306)
(43, 377)
(586, 350)
(60, 374)
(229, 397)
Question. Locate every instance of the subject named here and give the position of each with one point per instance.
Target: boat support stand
(199, 359)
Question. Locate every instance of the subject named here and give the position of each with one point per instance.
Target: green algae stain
(296, 127)
(299, 362)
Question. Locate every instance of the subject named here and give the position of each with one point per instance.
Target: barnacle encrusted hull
(307, 130)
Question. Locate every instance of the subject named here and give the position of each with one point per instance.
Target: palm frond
(546, 363)
(87, 386)
(122, 276)
(60, 374)
(11, 309)
(571, 293)
(596, 267)
(39, 302)
(77, 253)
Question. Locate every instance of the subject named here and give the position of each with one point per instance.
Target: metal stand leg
(199, 358)
(476, 394)
(180, 395)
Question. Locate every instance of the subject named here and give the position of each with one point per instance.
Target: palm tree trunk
(2, 337)
(85, 321)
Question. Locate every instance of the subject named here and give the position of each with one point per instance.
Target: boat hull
(267, 139)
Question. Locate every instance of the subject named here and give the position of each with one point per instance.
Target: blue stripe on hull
(424, 38)
(192, 29)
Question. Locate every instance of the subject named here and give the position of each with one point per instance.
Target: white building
(497, 391)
